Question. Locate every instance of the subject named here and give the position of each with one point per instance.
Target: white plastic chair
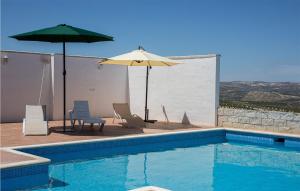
(81, 113)
(34, 122)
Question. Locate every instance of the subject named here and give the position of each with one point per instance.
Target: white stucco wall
(101, 85)
(21, 78)
(191, 88)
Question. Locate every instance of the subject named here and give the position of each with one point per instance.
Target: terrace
(188, 85)
(11, 133)
(183, 98)
(154, 113)
(12, 136)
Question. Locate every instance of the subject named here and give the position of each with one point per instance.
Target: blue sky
(258, 39)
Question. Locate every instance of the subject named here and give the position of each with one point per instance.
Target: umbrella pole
(64, 86)
(146, 103)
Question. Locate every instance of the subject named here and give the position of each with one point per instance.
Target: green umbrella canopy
(63, 33)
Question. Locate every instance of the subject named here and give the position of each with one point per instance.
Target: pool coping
(34, 161)
(42, 160)
(111, 138)
(287, 135)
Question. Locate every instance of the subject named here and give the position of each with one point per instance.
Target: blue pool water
(212, 167)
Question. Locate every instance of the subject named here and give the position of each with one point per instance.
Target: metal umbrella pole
(146, 102)
(64, 86)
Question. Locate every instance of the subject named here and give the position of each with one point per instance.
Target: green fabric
(63, 33)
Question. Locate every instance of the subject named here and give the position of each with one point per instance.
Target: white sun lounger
(34, 122)
(81, 113)
(122, 111)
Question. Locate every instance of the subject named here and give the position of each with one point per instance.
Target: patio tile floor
(11, 135)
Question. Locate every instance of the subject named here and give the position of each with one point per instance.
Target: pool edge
(41, 161)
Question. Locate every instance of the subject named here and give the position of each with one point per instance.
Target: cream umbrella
(141, 58)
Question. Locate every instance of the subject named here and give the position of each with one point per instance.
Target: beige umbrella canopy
(140, 57)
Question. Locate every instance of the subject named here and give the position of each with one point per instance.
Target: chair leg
(82, 125)
(73, 123)
(101, 125)
(79, 123)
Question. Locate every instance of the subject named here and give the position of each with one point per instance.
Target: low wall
(261, 120)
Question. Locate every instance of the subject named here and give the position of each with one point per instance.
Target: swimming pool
(206, 160)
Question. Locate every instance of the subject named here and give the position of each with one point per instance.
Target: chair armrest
(23, 126)
(71, 113)
(135, 115)
(45, 125)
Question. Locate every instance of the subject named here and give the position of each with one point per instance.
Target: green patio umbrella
(63, 33)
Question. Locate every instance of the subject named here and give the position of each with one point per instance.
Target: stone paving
(9, 157)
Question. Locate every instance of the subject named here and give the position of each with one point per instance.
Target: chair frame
(89, 119)
(131, 119)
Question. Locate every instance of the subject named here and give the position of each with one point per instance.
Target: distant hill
(266, 95)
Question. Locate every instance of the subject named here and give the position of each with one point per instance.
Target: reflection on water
(240, 167)
(253, 156)
(213, 167)
(145, 169)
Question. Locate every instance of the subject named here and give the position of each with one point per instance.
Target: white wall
(21, 78)
(191, 88)
(101, 85)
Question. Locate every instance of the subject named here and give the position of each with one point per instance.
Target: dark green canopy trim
(63, 33)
